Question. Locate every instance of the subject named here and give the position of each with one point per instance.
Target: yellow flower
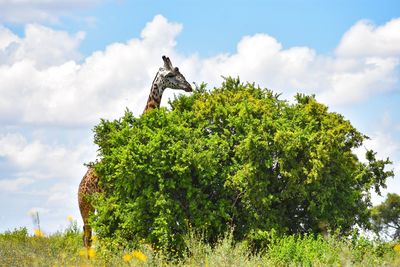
(90, 253)
(127, 257)
(94, 238)
(139, 255)
(38, 233)
(70, 218)
(397, 248)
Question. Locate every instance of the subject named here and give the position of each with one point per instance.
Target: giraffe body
(166, 77)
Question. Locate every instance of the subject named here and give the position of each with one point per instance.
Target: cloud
(27, 11)
(261, 58)
(365, 39)
(42, 46)
(381, 142)
(160, 32)
(53, 88)
(341, 79)
(43, 176)
(385, 144)
(14, 184)
(372, 76)
(36, 160)
(6, 37)
(366, 62)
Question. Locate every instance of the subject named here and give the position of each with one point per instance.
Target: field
(18, 248)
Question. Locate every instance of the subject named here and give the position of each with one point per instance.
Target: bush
(303, 251)
(17, 248)
(238, 157)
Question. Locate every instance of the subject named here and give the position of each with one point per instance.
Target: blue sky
(66, 64)
(212, 27)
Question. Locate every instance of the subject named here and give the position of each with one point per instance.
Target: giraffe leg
(87, 229)
(87, 187)
(87, 236)
(86, 208)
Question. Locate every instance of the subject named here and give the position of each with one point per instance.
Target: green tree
(385, 217)
(236, 156)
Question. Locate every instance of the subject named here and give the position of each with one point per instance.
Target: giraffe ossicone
(167, 76)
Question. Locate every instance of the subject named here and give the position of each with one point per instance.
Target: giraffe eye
(176, 69)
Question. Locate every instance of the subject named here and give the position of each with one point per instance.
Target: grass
(18, 248)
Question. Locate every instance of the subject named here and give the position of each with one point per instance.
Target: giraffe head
(170, 77)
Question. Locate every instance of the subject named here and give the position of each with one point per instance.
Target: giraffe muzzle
(188, 88)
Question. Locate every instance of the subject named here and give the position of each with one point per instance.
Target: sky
(66, 64)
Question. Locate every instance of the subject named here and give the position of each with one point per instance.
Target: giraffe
(166, 77)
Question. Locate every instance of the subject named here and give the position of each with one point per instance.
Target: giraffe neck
(155, 95)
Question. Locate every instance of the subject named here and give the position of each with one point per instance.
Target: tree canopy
(236, 156)
(385, 217)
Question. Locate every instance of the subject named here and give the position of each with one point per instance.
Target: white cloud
(68, 92)
(41, 45)
(6, 38)
(343, 78)
(386, 146)
(372, 76)
(160, 32)
(380, 142)
(367, 61)
(261, 58)
(26, 11)
(44, 175)
(36, 160)
(365, 39)
(12, 185)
